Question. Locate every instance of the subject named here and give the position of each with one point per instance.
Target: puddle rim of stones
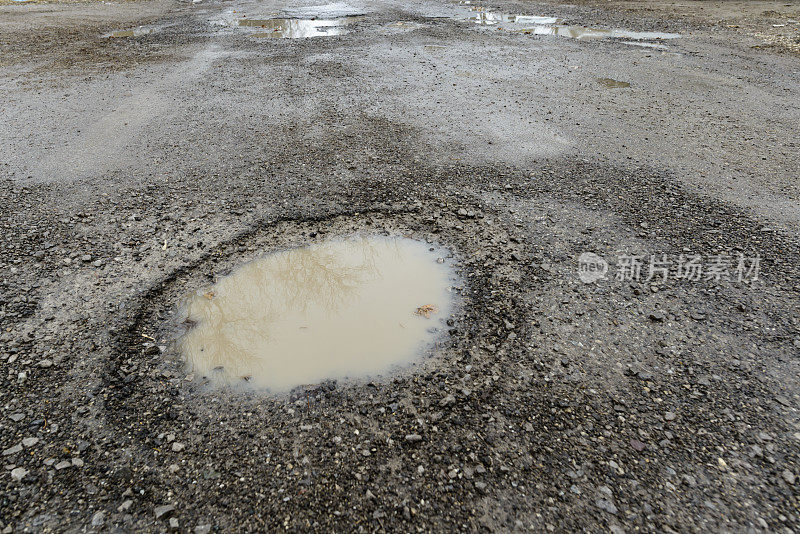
(141, 311)
(174, 330)
(142, 403)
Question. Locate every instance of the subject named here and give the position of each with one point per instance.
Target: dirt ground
(137, 169)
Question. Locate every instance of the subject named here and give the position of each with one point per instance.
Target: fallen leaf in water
(209, 295)
(426, 310)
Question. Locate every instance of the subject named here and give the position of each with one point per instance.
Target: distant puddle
(544, 25)
(297, 28)
(488, 18)
(350, 308)
(134, 32)
(321, 21)
(609, 83)
(584, 32)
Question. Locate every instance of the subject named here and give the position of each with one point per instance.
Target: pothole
(150, 390)
(347, 308)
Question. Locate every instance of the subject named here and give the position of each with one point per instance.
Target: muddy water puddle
(341, 309)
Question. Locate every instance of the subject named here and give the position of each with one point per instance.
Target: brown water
(351, 308)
